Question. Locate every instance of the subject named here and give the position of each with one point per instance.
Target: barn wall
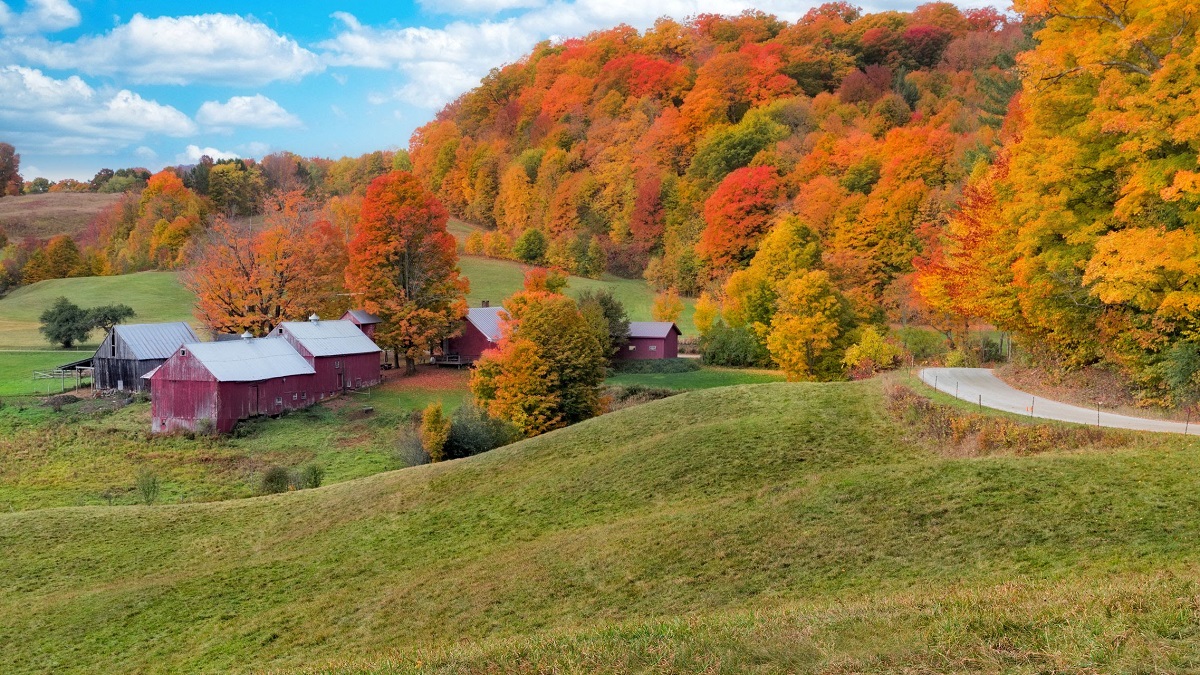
(358, 370)
(641, 349)
(671, 346)
(120, 365)
(470, 345)
(183, 393)
(240, 400)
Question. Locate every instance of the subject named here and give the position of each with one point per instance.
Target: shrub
(957, 358)
(408, 447)
(870, 354)
(435, 431)
(991, 351)
(923, 344)
(678, 365)
(474, 243)
(277, 479)
(725, 345)
(530, 247)
(619, 398)
(472, 431)
(147, 486)
(311, 476)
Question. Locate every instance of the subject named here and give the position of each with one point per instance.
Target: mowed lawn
(759, 528)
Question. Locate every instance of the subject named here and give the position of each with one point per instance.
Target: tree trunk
(410, 365)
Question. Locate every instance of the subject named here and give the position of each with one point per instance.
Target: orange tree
(547, 371)
(404, 266)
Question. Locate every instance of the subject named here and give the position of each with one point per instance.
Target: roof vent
(314, 318)
(486, 303)
(246, 336)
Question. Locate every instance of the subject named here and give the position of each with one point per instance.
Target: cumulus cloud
(441, 63)
(40, 16)
(70, 117)
(146, 153)
(192, 154)
(256, 111)
(208, 48)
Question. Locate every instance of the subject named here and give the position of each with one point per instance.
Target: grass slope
(767, 527)
(707, 377)
(46, 215)
(155, 296)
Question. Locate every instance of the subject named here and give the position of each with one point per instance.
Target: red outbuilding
(481, 332)
(651, 340)
(365, 321)
(210, 386)
(340, 353)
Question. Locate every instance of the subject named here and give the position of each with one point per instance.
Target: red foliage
(737, 215)
(639, 75)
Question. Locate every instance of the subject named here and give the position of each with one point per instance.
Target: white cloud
(192, 154)
(208, 48)
(255, 149)
(256, 111)
(52, 116)
(441, 63)
(468, 7)
(146, 153)
(40, 16)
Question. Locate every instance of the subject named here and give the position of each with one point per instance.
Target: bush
(728, 346)
(870, 354)
(957, 358)
(530, 247)
(472, 431)
(311, 476)
(921, 343)
(408, 447)
(619, 398)
(991, 351)
(147, 486)
(277, 479)
(435, 430)
(678, 365)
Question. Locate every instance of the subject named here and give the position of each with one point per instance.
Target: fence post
(956, 390)
(1032, 401)
(1097, 414)
(981, 403)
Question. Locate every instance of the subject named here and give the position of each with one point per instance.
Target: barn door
(253, 395)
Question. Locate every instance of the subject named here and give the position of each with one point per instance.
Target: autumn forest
(814, 184)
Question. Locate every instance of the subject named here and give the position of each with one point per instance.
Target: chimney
(486, 303)
(247, 336)
(314, 318)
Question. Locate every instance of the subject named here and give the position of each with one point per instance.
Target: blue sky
(86, 84)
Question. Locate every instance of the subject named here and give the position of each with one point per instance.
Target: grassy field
(17, 368)
(705, 378)
(46, 215)
(155, 296)
(759, 528)
(91, 451)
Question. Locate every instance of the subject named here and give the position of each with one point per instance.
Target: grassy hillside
(769, 527)
(46, 215)
(155, 296)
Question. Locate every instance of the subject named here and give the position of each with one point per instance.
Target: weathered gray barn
(130, 351)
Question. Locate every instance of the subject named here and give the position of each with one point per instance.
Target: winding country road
(980, 385)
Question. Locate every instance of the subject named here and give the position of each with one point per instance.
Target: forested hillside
(842, 138)
(1082, 236)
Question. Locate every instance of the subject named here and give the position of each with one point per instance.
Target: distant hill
(768, 528)
(46, 215)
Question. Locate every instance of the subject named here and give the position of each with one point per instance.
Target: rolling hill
(777, 527)
(45, 215)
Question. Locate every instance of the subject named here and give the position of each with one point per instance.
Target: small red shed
(340, 353)
(211, 386)
(365, 321)
(481, 332)
(651, 340)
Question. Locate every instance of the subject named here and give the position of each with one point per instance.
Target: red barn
(651, 340)
(340, 353)
(365, 321)
(481, 332)
(211, 386)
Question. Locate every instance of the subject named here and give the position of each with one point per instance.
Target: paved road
(976, 384)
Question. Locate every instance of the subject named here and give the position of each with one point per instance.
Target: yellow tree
(805, 325)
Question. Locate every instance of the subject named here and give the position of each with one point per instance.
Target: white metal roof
(250, 360)
(155, 340)
(362, 317)
(328, 338)
(651, 329)
(487, 320)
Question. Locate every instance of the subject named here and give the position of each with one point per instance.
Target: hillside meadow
(772, 527)
(44, 215)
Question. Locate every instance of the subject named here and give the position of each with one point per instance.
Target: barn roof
(250, 360)
(361, 317)
(328, 338)
(155, 340)
(487, 320)
(651, 329)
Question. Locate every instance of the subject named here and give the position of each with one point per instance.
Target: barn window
(653, 348)
(278, 400)
(337, 364)
(295, 396)
(280, 331)
(183, 352)
(304, 396)
(632, 347)
(112, 348)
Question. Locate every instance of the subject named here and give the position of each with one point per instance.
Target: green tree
(603, 306)
(107, 316)
(531, 246)
(64, 323)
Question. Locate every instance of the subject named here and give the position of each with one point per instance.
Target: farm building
(341, 354)
(481, 332)
(366, 321)
(651, 340)
(130, 351)
(210, 386)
